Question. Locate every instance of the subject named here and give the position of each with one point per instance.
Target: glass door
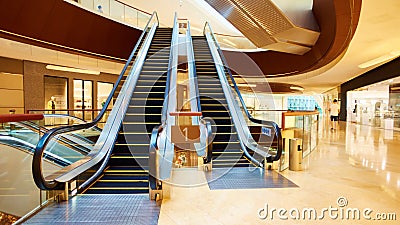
(83, 99)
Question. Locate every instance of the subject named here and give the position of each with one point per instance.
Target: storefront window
(56, 98)
(103, 91)
(376, 105)
(83, 99)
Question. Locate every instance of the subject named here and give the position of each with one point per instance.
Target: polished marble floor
(353, 168)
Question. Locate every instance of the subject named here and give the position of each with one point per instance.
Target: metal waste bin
(295, 154)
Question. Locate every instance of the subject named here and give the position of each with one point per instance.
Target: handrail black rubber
(23, 146)
(152, 157)
(272, 124)
(153, 181)
(73, 117)
(37, 157)
(167, 84)
(63, 140)
(208, 157)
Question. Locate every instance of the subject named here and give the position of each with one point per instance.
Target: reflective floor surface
(353, 177)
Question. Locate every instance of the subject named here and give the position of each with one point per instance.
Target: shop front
(376, 105)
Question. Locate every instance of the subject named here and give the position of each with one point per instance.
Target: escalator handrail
(194, 96)
(63, 139)
(251, 118)
(73, 117)
(30, 148)
(194, 100)
(157, 159)
(42, 129)
(164, 113)
(45, 139)
(107, 142)
(154, 172)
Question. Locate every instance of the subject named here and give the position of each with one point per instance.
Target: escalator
(221, 102)
(121, 159)
(127, 169)
(66, 149)
(226, 147)
(81, 143)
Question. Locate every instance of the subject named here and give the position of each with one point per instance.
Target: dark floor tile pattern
(246, 178)
(100, 209)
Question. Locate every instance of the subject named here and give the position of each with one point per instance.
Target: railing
(69, 116)
(17, 145)
(205, 149)
(303, 125)
(161, 150)
(223, 68)
(117, 10)
(102, 148)
(5, 118)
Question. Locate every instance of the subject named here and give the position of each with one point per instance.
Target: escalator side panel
(127, 171)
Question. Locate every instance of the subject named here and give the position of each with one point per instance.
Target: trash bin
(295, 154)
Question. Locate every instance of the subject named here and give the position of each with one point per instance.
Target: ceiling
(376, 35)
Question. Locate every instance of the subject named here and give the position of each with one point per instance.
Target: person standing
(334, 113)
(52, 104)
(99, 9)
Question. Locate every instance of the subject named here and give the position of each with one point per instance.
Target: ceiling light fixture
(296, 88)
(246, 85)
(73, 70)
(229, 42)
(384, 58)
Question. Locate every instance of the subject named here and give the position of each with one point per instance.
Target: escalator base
(100, 209)
(246, 178)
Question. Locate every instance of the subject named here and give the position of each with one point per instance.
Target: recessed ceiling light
(297, 88)
(380, 59)
(73, 70)
(229, 42)
(246, 85)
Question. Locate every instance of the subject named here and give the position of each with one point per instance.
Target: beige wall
(22, 84)
(18, 192)
(34, 83)
(11, 86)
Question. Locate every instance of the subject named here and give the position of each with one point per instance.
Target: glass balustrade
(116, 10)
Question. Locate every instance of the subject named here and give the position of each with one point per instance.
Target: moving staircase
(226, 146)
(127, 169)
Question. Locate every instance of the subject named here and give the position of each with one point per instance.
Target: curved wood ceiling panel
(337, 20)
(61, 23)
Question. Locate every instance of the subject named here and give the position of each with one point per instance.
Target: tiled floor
(361, 164)
(246, 178)
(100, 209)
(354, 169)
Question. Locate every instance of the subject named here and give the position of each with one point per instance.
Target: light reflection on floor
(360, 163)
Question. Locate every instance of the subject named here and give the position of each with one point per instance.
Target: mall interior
(199, 112)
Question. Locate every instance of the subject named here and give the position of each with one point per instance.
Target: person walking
(334, 113)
